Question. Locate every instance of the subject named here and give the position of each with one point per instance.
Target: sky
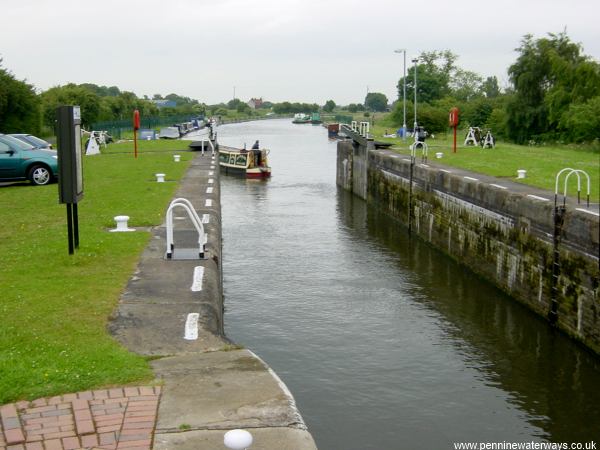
(280, 50)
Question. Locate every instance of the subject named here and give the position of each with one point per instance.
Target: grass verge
(55, 307)
(541, 162)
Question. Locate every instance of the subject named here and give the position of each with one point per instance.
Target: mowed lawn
(54, 307)
(542, 163)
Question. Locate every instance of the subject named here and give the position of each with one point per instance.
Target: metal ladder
(202, 236)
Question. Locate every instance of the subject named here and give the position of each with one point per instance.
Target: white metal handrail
(571, 172)
(187, 206)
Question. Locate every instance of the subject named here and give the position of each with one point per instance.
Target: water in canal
(384, 342)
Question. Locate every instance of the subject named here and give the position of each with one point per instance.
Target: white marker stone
(211, 181)
(198, 277)
(191, 327)
(208, 202)
(209, 190)
(205, 218)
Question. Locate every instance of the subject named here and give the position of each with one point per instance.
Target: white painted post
(176, 158)
(121, 224)
(160, 177)
(521, 173)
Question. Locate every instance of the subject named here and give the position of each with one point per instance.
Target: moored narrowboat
(247, 163)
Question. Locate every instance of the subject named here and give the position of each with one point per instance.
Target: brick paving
(119, 418)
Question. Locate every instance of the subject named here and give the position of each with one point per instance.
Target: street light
(415, 60)
(403, 50)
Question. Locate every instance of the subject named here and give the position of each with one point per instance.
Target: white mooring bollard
(176, 158)
(237, 439)
(160, 177)
(122, 224)
(439, 155)
(521, 173)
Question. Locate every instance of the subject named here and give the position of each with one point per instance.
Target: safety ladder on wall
(184, 253)
(559, 219)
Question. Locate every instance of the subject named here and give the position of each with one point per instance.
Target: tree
(549, 77)
(376, 101)
(355, 107)
(70, 94)
(465, 85)
(19, 105)
(433, 76)
(490, 87)
(329, 106)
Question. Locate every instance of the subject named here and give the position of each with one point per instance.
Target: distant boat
(301, 118)
(247, 163)
(333, 130)
(316, 118)
(170, 133)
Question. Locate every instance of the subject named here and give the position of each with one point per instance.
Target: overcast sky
(296, 50)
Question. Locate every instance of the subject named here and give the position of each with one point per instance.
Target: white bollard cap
(122, 224)
(237, 439)
(160, 177)
(521, 173)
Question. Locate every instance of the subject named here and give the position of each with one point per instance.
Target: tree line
(23, 110)
(554, 93)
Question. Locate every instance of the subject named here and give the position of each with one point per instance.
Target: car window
(16, 143)
(4, 147)
(36, 141)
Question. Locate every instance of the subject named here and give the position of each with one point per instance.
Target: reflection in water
(384, 342)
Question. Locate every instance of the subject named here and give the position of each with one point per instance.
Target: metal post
(75, 226)
(403, 94)
(404, 101)
(70, 228)
(415, 60)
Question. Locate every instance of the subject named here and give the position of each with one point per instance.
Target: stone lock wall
(504, 236)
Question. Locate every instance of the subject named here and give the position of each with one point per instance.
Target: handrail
(186, 205)
(576, 172)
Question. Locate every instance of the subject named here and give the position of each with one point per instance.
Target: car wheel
(40, 175)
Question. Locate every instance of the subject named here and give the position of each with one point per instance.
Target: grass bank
(541, 162)
(55, 307)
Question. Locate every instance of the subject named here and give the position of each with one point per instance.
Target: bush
(581, 122)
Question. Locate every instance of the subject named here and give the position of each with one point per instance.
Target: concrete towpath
(205, 385)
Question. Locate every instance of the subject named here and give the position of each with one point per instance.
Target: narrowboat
(246, 163)
(301, 118)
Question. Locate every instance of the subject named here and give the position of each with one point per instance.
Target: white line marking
(208, 202)
(209, 190)
(424, 165)
(210, 173)
(212, 167)
(205, 218)
(589, 212)
(498, 186)
(471, 178)
(538, 198)
(191, 327)
(444, 170)
(406, 159)
(198, 277)
(211, 181)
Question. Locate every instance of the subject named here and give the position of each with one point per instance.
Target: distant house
(165, 103)
(255, 103)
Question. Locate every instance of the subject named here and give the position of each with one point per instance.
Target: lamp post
(403, 50)
(415, 60)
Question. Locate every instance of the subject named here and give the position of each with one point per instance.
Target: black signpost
(70, 168)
